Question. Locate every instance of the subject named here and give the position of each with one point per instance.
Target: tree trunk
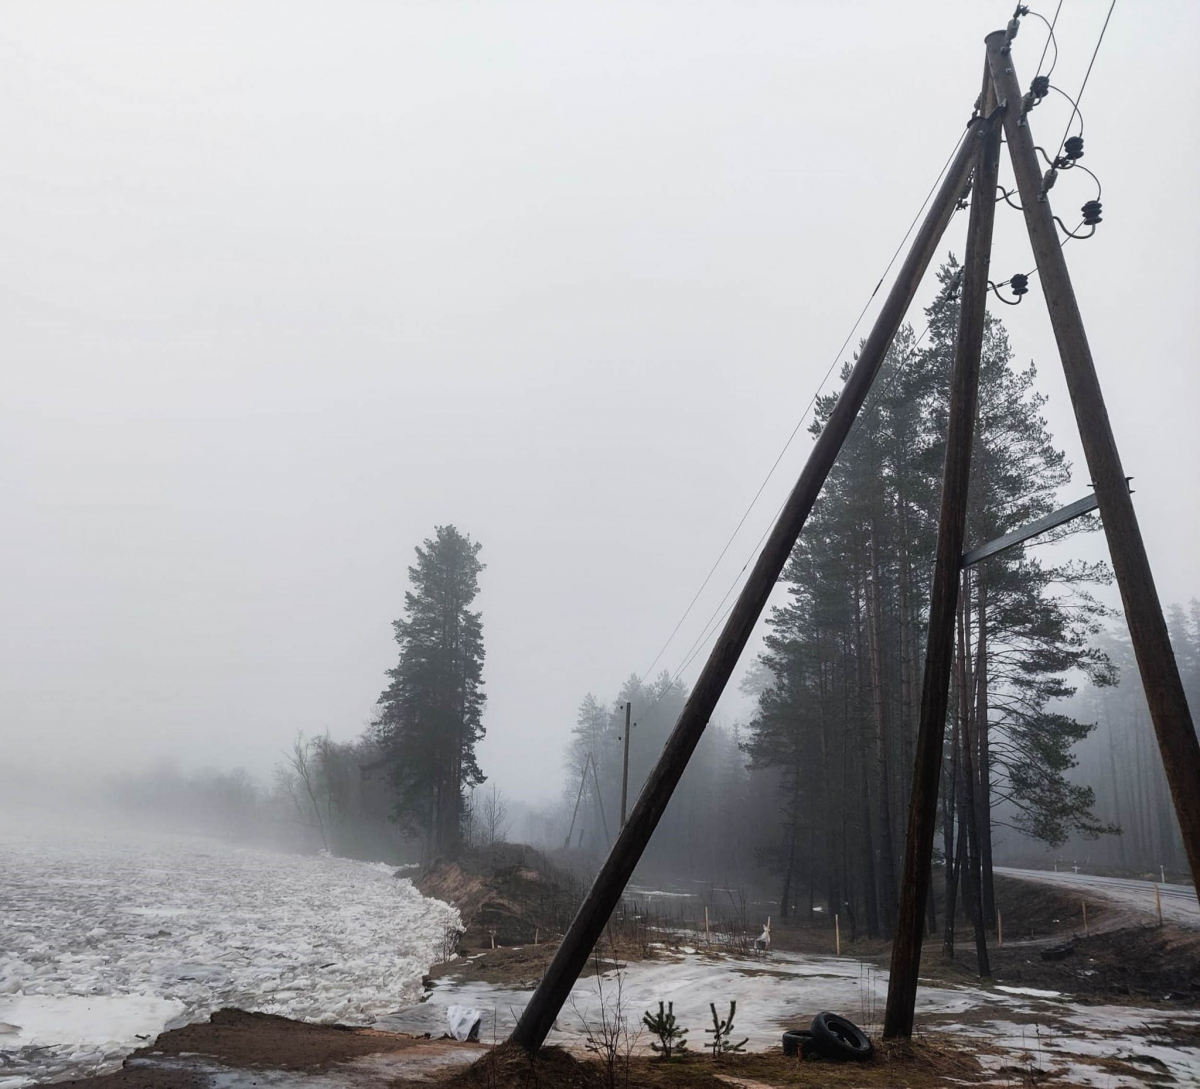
(887, 857)
(970, 803)
(984, 798)
(869, 875)
(952, 884)
(785, 898)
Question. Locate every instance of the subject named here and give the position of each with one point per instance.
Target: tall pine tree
(431, 713)
(838, 720)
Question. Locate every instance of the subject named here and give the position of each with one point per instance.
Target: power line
(1083, 85)
(804, 415)
(1049, 40)
(717, 616)
(711, 628)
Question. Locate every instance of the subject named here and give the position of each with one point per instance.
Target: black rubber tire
(836, 1038)
(798, 1042)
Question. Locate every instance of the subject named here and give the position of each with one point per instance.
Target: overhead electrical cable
(1050, 39)
(711, 628)
(1083, 85)
(807, 409)
(717, 616)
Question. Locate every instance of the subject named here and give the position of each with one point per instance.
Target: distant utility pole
(625, 767)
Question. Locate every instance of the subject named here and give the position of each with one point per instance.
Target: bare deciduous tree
(301, 781)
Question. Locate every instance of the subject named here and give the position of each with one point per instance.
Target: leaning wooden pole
(1147, 627)
(943, 603)
(610, 882)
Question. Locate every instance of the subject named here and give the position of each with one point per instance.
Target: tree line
(844, 655)
(1121, 760)
(407, 787)
(813, 789)
(1042, 746)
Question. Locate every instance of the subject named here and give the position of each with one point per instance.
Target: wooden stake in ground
(837, 936)
(1147, 629)
(602, 898)
(1085, 926)
(1158, 904)
(939, 652)
(999, 928)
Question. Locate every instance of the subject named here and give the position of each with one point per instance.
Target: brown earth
(507, 895)
(1113, 962)
(238, 1040)
(1028, 912)
(918, 1065)
(254, 1044)
(1144, 966)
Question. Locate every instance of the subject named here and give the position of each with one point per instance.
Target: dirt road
(1179, 903)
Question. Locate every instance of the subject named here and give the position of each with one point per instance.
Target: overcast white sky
(288, 284)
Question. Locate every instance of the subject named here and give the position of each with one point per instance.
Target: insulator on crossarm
(1019, 284)
(1073, 148)
(1091, 213)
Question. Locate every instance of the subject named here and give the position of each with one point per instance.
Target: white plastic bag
(464, 1022)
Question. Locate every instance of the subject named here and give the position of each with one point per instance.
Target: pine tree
(1026, 625)
(837, 723)
(431, 713)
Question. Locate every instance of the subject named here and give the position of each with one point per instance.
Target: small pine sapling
(722, 1031)
(666, 1028)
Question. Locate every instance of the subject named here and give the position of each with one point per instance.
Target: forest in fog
(1048, 748)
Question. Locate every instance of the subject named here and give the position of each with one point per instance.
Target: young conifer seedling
(722, 1031)
(666, 1028)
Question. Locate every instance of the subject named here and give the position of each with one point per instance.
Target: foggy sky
(287, 285)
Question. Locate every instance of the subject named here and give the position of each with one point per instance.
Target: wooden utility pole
(602, 898)
(625, 764)
(600, 804)
(578, 799)
(1147, 629)
(943, 604)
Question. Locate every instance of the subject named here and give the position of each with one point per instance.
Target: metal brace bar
(1039, 525)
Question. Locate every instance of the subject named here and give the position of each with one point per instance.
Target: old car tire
(798, 1042)
(836, 1038)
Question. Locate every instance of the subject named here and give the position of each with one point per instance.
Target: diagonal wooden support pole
(1147, 629)
(605, 893)
(939, 650)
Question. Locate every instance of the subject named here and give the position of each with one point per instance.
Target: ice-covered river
(106, 940)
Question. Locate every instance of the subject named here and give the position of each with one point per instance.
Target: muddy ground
(1120, 960)
(237, 1049)
(255, 1043)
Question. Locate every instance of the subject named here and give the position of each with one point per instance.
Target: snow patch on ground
(1031, 992)
(87, 1022)
(1032, 1029)
(106, 941)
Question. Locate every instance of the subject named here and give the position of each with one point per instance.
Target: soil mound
(508, 894)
